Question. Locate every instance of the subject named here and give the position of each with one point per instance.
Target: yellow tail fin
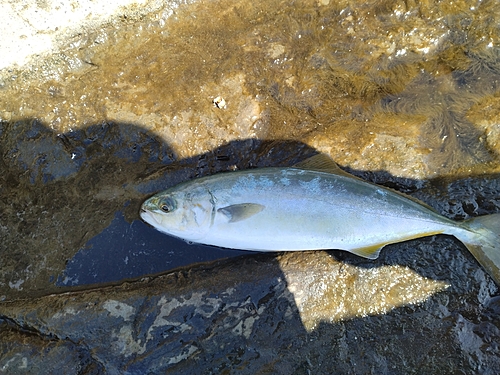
(483, 241)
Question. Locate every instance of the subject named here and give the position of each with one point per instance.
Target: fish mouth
(146, 216)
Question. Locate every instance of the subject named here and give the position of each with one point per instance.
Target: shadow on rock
(70, 202)
(70, 218)
(228, 316)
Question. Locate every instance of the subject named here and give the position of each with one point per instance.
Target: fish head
(187, 214)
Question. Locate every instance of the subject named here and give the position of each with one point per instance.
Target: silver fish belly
(299, 208)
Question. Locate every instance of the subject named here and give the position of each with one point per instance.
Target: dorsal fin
(322, 163)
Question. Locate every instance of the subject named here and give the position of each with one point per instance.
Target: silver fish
(313, 205)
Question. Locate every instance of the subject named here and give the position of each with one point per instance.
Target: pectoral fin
(242, 211)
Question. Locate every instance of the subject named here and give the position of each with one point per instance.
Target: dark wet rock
(24, 351)
(316, 312)
(462, 199)
(207, 316)
(250, 315)
(67, 198)
(300, 313)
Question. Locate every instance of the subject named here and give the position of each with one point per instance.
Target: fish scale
(311, 206)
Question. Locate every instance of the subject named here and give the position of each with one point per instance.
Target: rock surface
(115, 108)
(290, 314)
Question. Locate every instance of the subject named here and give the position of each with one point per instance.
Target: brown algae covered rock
(378, 86)
(400, 93)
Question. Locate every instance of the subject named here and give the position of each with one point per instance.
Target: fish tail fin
(482, 238)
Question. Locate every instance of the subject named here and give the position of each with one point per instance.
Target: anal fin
(373, 251)
(370, 252)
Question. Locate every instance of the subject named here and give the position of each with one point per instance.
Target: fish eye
(167, 205)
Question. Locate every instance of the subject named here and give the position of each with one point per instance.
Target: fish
(313, 205)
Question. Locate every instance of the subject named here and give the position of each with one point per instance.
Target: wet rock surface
(72, 203)
(242, 316)
(405, 95)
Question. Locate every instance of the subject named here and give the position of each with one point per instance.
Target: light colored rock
(31, 29)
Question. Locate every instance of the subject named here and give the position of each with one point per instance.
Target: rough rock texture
(241, 316)
(405, 94)
(31, 28)
(405, 88)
